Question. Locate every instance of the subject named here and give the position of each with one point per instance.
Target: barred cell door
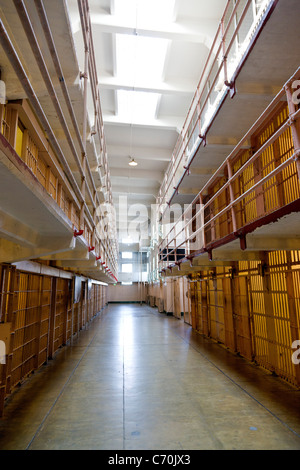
(241, 315)
(177, 298)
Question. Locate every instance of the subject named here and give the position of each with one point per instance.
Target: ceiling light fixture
(132, 162)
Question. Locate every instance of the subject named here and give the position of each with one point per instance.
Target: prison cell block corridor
(138, 379)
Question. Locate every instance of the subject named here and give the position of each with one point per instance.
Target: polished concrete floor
(139, 380)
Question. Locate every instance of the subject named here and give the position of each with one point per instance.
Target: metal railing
(240, 21)
(250, 186)
(87, 201)
(110, 243)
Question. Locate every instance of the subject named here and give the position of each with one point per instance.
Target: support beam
(167, 123)
(80, 264)
(114, 83)
(153, 154)
(141, 174)
(12, 252)
(272, 243)
(184, 31)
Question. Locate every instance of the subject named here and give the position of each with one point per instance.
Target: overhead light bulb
(132, 162)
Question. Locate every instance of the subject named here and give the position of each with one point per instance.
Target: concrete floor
(139, 380)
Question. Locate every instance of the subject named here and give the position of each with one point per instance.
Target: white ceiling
(186, 29)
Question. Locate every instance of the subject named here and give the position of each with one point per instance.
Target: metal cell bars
(283, 338)
(26, 327)
(221, 309)
(4, 122)
(37, 158)
(99, 127)
(257, 305)
(60, 314)
(6, 293)
(256, 183)
(185, 237)
(294, 266)
(41, 313)
(275, 313)
(44, 321)
(240, 21)
(215, 301)
(83, 192)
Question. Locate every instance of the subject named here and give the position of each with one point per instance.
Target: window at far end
(126, 268)
(127, 255)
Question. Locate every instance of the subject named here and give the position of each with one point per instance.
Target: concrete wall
(119, 293)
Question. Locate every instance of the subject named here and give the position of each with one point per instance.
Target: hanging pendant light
(132, 162)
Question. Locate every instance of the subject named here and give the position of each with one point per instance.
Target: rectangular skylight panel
(156, 11)
(127, 268)
(136, 105)
(125, 9)
(145, 11)
(140, 58)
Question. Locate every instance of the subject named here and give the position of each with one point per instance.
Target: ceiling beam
(112, 7)
(189, 31)
(142, 153)
(121, 190)
(115, 83)
(137, 173)
(168, 123)
(271, 243)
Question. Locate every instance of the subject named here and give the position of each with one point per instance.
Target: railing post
(231, 192)
(199, 110)
(294, 126)
(202, 220)
(224, 52)
(186, 235)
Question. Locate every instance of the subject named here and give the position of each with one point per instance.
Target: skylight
(145, 11)
(140, 59)
(137, 106)
(127, 268)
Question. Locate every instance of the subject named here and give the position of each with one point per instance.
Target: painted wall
(119, 293)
